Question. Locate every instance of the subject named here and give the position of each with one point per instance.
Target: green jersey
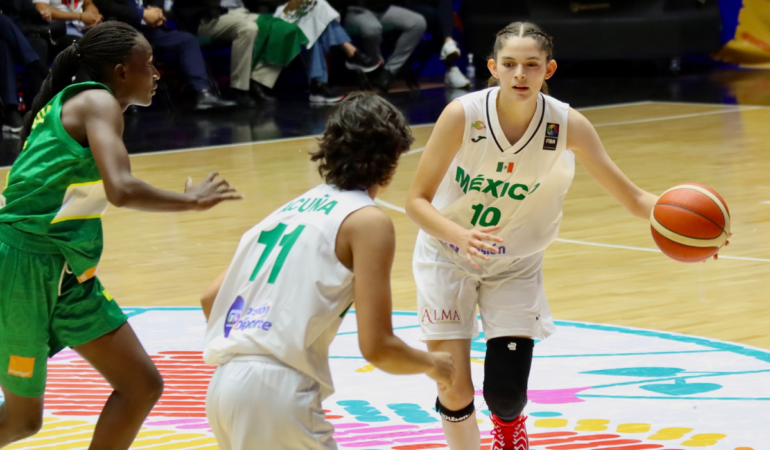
(54, 190)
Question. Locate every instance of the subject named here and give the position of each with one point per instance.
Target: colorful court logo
(592, 386)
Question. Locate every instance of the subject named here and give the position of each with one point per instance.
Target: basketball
(690, 222)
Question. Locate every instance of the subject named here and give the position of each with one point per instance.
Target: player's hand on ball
(443, 369)
(471, 242)
(210, 192)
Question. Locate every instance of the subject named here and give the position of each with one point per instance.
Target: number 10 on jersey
(270, 239)
(486, 218)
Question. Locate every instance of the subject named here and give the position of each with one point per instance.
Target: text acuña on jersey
(495, 188)
(321, 204)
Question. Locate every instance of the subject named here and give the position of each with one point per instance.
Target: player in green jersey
(72, 165)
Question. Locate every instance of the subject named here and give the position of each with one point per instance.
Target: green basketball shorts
(43, 309)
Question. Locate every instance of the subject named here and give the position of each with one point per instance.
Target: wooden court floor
(601, 270)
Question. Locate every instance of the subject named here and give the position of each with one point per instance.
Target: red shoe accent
(509, 435)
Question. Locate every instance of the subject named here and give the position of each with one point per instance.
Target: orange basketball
(690, 222)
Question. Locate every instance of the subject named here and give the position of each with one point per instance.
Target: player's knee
(506, 374)
(457, 397)
(148, 387)
(154, 388)
(506, 405)
(455, 414)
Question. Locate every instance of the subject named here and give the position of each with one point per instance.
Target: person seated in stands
(441, 20)
(78, 16)
(368, 17)
(319, 22)
(16, 50)
(47, 36)
(150, 20)
(229, 20)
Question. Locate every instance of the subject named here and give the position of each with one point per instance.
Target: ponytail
(65, 67)
(103, 46)
(522, 30)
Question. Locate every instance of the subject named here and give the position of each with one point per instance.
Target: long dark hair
(108, 43)
(523, 29)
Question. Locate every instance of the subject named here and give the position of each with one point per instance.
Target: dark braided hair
(362, 142)
(106, 44)
(523, 29)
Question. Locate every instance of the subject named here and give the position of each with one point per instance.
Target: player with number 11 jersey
(274, 313)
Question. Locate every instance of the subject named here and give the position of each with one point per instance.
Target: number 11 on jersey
(270, 239)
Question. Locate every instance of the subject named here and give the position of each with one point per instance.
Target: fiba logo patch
(233, 315)
(551, 136)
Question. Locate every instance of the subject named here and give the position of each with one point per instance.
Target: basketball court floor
(649, 354)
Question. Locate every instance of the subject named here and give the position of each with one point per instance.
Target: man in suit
(148, 17)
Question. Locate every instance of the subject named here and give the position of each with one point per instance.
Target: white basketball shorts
(511, 298)
(263, 404)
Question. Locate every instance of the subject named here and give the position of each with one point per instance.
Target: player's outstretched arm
(102, 128)
(442, 146)
(367, 237)
(584, 142)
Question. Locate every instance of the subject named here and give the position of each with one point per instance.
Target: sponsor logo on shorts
(233, 315)
(21, 367)
(439, 316)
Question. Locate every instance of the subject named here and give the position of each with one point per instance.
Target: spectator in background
(228, 20)
(16, 50)
(149, 19)
(441, 20)
(369, 16)
(78, 15)
(319, 22)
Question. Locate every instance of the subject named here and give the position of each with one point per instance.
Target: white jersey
(286, 292)
(519, 186)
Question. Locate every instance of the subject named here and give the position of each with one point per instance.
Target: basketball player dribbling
(273, 314)
(488, 196)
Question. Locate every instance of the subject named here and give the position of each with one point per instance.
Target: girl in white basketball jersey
(279, 305)
(488, 196)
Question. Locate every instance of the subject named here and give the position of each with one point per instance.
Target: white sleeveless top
(519, 186)
(286, 292)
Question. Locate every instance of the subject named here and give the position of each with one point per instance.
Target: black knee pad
(506, 373)
(454, 416)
